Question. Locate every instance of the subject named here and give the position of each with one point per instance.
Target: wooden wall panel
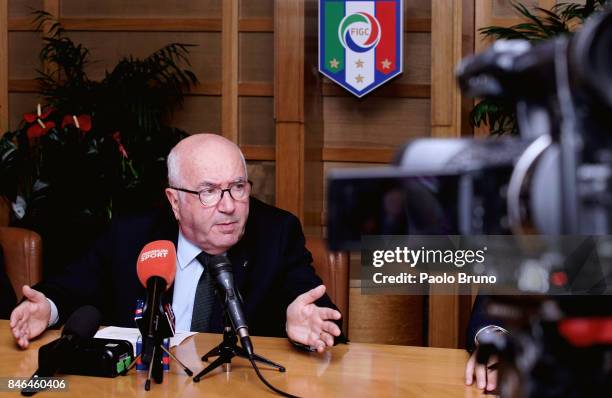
(417, 8)
(256, 9)
(229, 75)
(449, 317)
(256, 121)
(290, 167)
(503, 8)
(468, 34)
(289, 61)
(374, 122)
(141, 8)
(289, 103)
(23, 8)
(447, 48)
(23, 58)
(108, 47)
(262, 173)
(21, 103)
(417, 60)
(256, 60)
(378, 319)
(313, 121)
(446, 44)
(200, 114)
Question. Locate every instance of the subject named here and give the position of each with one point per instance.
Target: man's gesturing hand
(310, 325)
(30, 318)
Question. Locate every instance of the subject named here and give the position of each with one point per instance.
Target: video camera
(554, 179)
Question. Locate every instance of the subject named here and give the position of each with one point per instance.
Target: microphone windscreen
(157, 258)
(83, 323)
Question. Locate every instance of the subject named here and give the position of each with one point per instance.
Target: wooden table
(352, 370)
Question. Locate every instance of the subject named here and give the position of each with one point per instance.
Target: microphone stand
(156, 366)
(154, 328)
(229, 349)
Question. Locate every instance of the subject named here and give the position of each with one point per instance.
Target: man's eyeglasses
(212, 195)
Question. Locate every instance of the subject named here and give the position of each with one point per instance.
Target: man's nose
(226, 204)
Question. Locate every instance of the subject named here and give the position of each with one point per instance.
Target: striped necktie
(204, 298)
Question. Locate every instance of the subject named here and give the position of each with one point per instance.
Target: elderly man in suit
(213, 213)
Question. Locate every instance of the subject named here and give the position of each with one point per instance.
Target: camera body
(555, 179)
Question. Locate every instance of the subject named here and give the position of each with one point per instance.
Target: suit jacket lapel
(238, 256)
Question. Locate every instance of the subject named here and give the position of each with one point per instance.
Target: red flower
(117, 138)
(82, 122)
(39, 126)
(36, 130)
(31, 117)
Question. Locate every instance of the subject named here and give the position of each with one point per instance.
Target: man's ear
(173, 198)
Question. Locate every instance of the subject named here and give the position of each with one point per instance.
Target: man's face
(215, 228)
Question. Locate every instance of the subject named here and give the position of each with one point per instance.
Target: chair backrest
(333, 268)
(22, 250)
(5, 209)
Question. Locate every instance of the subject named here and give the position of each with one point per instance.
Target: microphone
(81, 325)
(156, 268)
(221, 271)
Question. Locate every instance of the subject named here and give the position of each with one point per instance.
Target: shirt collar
(186, 251)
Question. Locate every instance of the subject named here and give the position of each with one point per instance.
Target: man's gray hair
(173, 168)
(173, 163)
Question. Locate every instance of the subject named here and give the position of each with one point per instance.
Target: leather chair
(22, 250)
(333, 268)
(5, 208)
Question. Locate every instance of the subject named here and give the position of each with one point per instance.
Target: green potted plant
(95, 148)
(540, 24)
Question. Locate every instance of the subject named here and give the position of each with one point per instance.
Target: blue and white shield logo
(360, 42)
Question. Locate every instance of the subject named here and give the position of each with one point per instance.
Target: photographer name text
(424, 277)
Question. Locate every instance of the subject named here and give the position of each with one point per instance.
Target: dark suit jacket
(571, 306)
(7, 295)
(271, 268)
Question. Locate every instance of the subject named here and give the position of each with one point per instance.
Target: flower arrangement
(94, 148)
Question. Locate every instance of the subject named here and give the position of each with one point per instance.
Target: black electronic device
(435, 187)
(80, 327)
(93, 357)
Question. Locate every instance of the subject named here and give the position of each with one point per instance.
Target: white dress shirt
(188, 272)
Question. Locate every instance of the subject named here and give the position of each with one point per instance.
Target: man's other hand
(30, 318)
(485, 375)
(309, 324)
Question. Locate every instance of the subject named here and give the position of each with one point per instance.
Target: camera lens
(591, 58)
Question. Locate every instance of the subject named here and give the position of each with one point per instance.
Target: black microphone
(81, 325)
(220, 269)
